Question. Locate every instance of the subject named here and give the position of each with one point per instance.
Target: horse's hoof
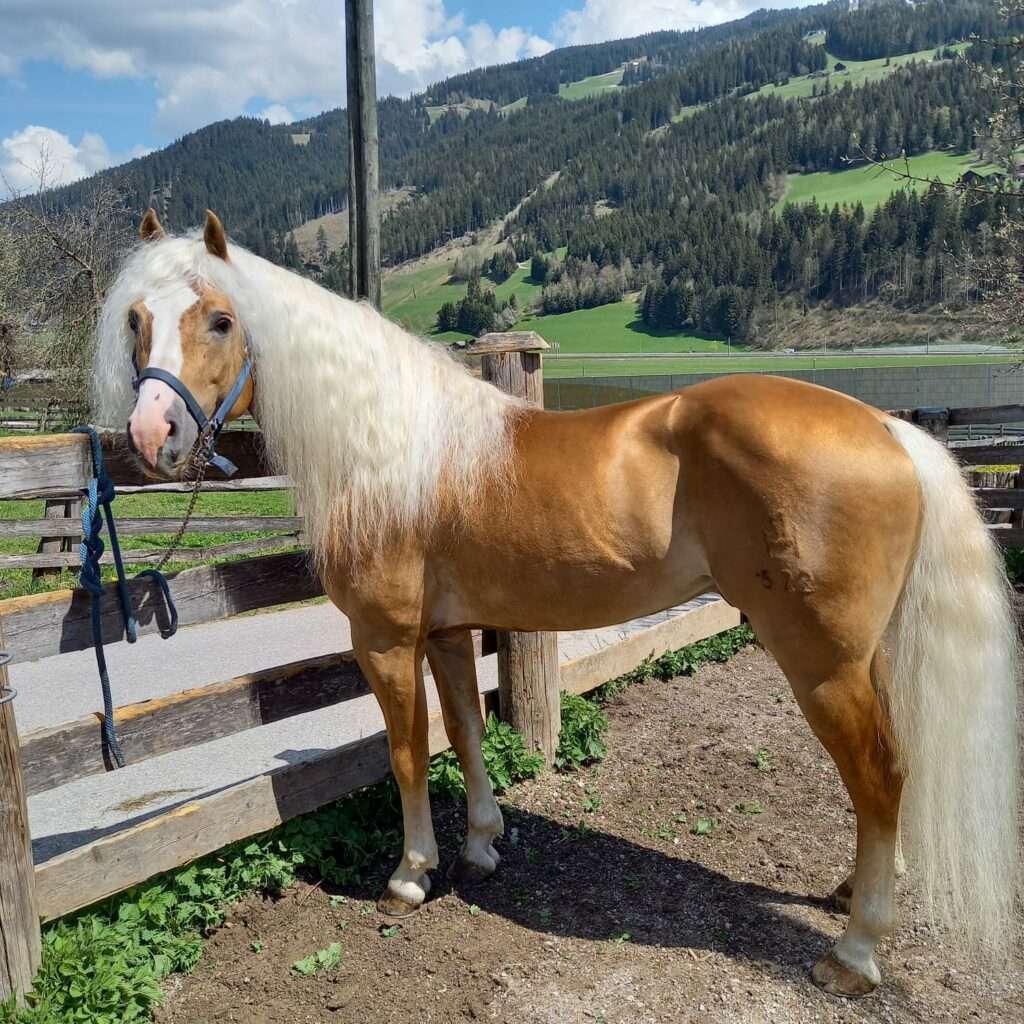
(466, 870)
(841, 898)
(834, 977)
(394, 906)
(400, 899)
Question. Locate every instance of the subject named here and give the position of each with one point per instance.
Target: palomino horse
(847, 537)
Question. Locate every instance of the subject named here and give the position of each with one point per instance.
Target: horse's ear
(214, 237)
(151, 230)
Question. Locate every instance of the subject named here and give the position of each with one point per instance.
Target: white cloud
(35, 150)
(598, 20)
(210, 58)
(277, 113)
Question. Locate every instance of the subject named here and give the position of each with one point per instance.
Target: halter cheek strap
(209, 427)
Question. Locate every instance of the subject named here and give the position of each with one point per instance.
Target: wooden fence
(57, 469)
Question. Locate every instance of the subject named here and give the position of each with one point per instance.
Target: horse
(847, 537)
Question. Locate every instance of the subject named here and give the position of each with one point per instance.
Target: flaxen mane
(365, 418)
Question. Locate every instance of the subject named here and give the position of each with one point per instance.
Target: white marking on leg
(410, 881)
(871, 911)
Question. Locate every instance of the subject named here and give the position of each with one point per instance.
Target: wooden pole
(528, 671)
(58, 508)
(20, 938)
(364, 152)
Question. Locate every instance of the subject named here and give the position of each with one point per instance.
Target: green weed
(505, 757)
(583, 727)
(682, 662)
(322, 960)
(754, 808)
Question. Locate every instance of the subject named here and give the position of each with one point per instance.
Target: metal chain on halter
(195, 473)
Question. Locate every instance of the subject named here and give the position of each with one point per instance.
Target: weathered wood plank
(243, 447)
(60, 754)
(999, 497)
(20, 939)
(988, 454)
(986, 414)
(71, 559)
(268, 483)
(586, 673)
(136, 527)
(90, 873)
(1008, 535)
(58, 465)
(507, 341)
(41, 625)
(49, 466)
(58, 511)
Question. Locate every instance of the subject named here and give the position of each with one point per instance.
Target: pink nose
(148, 435)
(150, 425)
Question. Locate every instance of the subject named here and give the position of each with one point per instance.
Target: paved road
(56, 690)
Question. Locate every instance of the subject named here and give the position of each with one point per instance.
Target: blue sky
(90, 83)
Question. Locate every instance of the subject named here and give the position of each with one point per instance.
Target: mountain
(656, 163)
(267, 179)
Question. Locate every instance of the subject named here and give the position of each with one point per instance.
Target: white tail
(953, 707)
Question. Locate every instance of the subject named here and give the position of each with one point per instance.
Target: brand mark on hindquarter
(780, 540)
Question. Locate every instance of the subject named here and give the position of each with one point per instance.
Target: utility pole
(364, 152)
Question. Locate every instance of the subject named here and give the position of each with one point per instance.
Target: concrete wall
(899, 387)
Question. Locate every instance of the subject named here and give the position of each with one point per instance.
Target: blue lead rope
(96, 506)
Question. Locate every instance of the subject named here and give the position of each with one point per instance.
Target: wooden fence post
(528, 671)
(57, 508)
(20, 938)
(364, 147)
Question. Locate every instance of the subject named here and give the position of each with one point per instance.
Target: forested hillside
(666, 184)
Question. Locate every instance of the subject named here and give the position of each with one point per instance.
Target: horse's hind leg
(453, 663)
(844, 711)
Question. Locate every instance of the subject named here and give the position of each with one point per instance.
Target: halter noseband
(209, 427)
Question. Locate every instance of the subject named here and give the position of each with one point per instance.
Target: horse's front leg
(453, 663)
(393, 667)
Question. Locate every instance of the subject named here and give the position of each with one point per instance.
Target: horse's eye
(133, 321)
(222, 325)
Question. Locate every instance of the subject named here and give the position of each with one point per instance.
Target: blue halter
(209, 427)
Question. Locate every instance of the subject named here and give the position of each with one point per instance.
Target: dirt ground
(607, 906)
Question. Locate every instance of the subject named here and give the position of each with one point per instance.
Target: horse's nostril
(172, 429)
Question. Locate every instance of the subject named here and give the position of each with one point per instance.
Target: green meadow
(595, 85)
(872, 185)
(613, 328)
(412, 298)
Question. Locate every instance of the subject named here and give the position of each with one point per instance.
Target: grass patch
(872, 185)
(595, 85)
(615, 327)
(17, 582)
(412, 298)
(857, 73)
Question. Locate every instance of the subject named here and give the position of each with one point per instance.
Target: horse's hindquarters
(808, 512)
